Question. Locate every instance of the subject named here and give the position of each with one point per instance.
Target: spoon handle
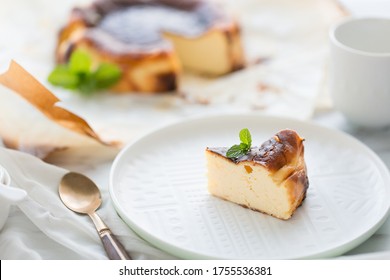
(113, 247)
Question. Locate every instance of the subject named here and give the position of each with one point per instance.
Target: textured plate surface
(159, 187)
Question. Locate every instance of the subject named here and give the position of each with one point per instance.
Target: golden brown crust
(68, 37)
(297, 185)
(272, 154)
(233, 34)
(143, 73)
(281, 150)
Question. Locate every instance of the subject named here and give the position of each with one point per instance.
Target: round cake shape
(153, 41)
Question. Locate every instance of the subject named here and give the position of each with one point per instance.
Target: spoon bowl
(81, 195)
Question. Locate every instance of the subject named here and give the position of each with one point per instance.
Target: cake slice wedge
(271, 178)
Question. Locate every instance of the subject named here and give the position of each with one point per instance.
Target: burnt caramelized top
(141, 22)
(277, 152)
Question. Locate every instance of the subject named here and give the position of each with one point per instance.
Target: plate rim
(191, 254)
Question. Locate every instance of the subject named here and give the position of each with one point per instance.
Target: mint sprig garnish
(81, 74)
(243, 148)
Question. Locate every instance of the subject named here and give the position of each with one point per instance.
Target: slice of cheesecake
(154, 41)
(271, 178)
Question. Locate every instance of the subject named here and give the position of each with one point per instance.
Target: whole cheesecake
(271, 178)
(154, 41)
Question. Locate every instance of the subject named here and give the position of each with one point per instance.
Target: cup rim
(336, 42)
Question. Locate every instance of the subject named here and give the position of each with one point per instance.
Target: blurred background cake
(154, 41)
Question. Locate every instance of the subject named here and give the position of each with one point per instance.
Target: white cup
(360, 70)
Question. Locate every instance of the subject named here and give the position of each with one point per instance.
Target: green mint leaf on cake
(106, 75)
(234, 152)
(82, 75)
(80, 63)
(61, 76)
(245, 137)
(243, 148)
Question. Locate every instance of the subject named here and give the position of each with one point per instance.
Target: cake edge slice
(272, 179)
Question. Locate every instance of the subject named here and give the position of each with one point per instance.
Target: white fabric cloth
(39, 226)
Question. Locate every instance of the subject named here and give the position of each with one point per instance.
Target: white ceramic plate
(159, 187)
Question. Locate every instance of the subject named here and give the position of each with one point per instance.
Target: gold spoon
(81, 195)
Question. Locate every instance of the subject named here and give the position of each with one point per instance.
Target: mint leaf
(61, 76)
(245, 137)
(79, 74)
(107, 75)
(243, 148)
(235, 152)
(80, 62)
(87, 85)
